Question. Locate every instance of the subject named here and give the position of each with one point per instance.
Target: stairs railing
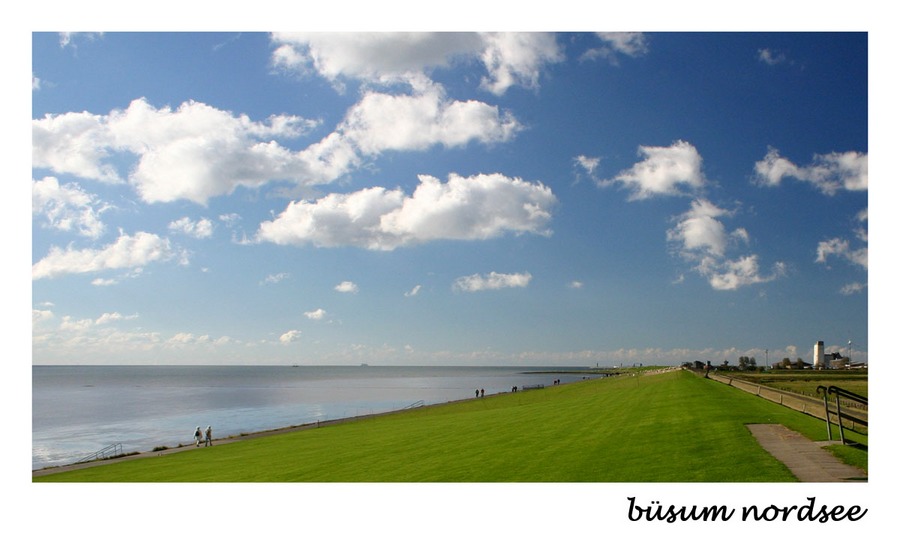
(838, 392)
(108, 452)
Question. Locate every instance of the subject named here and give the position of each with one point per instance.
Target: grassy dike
(671, 427)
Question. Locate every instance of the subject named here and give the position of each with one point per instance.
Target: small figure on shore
(198, 436)
(482, 392)
(208, 436)
(476, 392)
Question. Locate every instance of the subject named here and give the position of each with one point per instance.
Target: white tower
(819, 354)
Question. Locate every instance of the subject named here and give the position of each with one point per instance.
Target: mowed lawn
(670, 427)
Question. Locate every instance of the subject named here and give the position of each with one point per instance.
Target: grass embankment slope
(673, 427)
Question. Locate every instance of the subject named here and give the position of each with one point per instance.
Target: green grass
(673, 427)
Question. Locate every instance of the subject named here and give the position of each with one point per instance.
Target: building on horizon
(819, 355)
(831, 360)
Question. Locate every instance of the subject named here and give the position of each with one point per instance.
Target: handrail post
(837, 398)
(825, 391)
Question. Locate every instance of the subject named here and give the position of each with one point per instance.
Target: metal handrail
(113, 450)
(838, 392)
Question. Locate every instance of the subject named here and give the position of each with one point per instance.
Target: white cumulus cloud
(463, 208)
(517, 58)
(193, 152)
(701, 239)
(700, 230)
(200, 229)
(317, 314)
(275, 278)
(196, 152)
(841, 248)
(374, 56)
(664, 171)
(381, 121)
(41, 316)
(109, 317)
(632, 44)
(77, 143)
(180, 339)
(771, 57)
(844, 249)
(829, 173)
(290, 336)
(413, 292)
(494, 280)
(126, 252)
(335, 220)
(346, 287)
(67, 207)
(733, 274)
(853, 288)
(508, 59)
(587, 163)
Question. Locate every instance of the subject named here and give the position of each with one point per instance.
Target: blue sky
(448, 199)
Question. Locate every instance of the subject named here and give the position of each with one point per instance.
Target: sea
(80, 410)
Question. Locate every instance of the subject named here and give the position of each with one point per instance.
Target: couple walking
(198, 436)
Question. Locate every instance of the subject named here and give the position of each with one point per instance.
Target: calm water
(77, 410)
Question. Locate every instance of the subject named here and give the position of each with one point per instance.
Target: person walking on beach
(208, 436)
(198, 436)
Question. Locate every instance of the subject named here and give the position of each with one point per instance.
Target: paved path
(806, 459)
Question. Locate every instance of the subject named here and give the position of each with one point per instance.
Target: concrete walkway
(806, 459)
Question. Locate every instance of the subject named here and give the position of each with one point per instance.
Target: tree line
(747, 363)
